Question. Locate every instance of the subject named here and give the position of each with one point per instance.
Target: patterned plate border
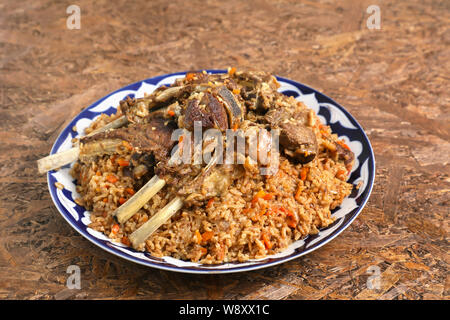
(330, 113)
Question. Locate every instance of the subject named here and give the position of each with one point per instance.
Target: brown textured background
(395, 81)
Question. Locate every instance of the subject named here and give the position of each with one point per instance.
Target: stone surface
(394, 81)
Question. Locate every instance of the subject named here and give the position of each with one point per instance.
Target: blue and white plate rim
(329, 111)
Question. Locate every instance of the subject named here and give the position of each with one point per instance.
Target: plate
(330, 113)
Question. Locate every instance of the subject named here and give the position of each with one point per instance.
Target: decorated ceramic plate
(328, 111)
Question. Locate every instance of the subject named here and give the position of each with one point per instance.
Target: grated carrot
(123, 163)
(198, 236)
(190, 76)
(210, 202)
(115, 228)
(298, 192)
(304, 173)
(266, 240)
(126, 241)
(268, 196)
(207, 235)
(343, 144)
(232, 71)
(112, 178)
(291, 220)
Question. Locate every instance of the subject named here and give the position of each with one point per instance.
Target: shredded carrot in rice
(210, 203)
(190, 76)
(343, 144)
(207, 235)
(198, 236)
(203, 250)
(123, 163)
(266, 239)
(115, 228)
(126, 241)
(304, 173)
(112, 178)
(291, 219)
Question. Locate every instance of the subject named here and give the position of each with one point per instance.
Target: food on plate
(234, 204)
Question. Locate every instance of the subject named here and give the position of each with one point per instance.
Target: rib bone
(141, 234)
(62, 158)
(139, 199)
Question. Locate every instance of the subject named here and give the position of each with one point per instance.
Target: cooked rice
(243, 224)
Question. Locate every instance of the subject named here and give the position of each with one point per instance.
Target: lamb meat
(153, 137)
(297, 139)
(208, 110)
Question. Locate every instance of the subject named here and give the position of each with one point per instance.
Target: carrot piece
(98, 173)
(122, 200)
(207, 235)
(237, 91)
(259, 194)
(112, 178)
(341, 173)
(115, 228)
(105, 200)
(232, 71)
(210, 202)
(123, 163)
(268, 196)
(198, 236)
(171, 113)
(298, 193)
(266, 240)
(203, 250)
(190, 76)
(291, 220)
(130, 191)
(304, 173)
(126, 241)
(343, 144)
